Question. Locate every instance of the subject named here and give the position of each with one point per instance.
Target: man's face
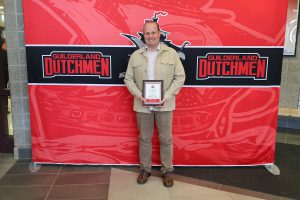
(151, 35)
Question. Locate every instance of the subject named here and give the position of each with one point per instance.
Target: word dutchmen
(77, 64)
(232, 65)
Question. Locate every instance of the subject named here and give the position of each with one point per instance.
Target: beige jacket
(168, 68)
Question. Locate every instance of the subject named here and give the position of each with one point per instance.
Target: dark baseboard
(288, 122)
(22, 153)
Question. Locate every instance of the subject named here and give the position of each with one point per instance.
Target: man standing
(155, 61)
(3, 64)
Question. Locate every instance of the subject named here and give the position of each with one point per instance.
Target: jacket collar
(163, 47)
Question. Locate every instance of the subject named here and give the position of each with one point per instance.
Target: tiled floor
(113, 183)
(6, 161)
(102, 182)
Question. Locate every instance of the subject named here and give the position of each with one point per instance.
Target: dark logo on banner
(139, 41)
(232, 65)
(66, 63)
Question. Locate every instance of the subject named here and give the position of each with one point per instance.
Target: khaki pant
(145, 124)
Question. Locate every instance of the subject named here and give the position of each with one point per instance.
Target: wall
(290, 79)
(18, 77)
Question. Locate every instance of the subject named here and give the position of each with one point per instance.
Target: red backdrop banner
(81, 112)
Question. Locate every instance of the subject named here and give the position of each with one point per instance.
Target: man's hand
(142, 100)
(163, 103)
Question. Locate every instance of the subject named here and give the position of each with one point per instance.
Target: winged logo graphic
(138, 41)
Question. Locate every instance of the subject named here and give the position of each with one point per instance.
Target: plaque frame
(157, 91)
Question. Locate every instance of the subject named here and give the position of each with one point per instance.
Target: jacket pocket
(167, 67)
(167, 61)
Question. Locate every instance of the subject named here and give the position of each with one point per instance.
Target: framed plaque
(152, 92)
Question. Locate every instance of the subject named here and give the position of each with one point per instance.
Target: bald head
(151, 22)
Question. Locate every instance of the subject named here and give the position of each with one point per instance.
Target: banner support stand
(273, 169)
(34, 167)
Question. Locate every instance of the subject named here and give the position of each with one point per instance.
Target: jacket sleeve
(178, 80)
(130, 80)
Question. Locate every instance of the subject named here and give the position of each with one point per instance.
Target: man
(155, 61)
(3, 64)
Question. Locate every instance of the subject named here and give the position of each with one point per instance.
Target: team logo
(139, 41)
(232, 65)
(66, 63)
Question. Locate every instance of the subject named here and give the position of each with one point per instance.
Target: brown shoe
(143, 177)
(167, 179)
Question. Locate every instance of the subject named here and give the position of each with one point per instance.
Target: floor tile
(118, 175)
(28, 179)
(24, 168)
(6, 158)
(80, 199)
(5, 167)
(284, 198)
(24, 193)
(123, 186)
(82, 178)
(2, 174)
(242, 197)
(198, 182)
(84, 168)
(194, 192)
(97, 191)
(235, 192)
